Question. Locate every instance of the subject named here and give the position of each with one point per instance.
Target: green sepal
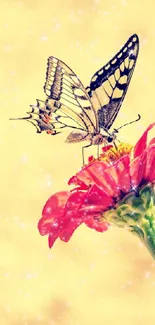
(136, 213)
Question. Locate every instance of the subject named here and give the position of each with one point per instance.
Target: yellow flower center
(112, 154)
(115, 153)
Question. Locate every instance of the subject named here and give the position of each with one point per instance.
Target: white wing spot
(119, 55)
(130, 44)
(107, 66)
(125, 49)
(114, 61)
(100, 71)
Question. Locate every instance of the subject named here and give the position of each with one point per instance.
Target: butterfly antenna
(122, 126)
(20, 118)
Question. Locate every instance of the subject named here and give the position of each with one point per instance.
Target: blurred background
(96, 278)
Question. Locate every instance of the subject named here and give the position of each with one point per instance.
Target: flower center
(110, 154)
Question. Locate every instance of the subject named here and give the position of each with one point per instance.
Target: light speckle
(124, 2)
(24, 158)
(44, 38)
(7, 274)
(7, 48)
(56, 26)
(49, 210)
(147, 274)
(8, 309)
(50, 256)
(22, 225)
(39, 317)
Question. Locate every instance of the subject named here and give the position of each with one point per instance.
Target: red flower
(100, 186)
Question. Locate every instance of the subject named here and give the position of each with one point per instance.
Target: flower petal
(123, 173)
(143, 167)
(75, 181)
(137, 170)
(98, 226)
(53, 211)
(94, 204)
(53, 235)
(75, 201)
(60, 216)
(81, 207)
(69, 225)
(150, 166)
(120, 171)
(152, 142)
(94, 173)
(142, 143)
(97, 196)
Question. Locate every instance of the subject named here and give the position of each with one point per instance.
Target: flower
(117, 189)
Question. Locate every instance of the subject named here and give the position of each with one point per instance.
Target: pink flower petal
(75, 181)
(96, 225)
(120, 171)
(152, 142)
(65, 227)
(60, 216)
(81, 207)
(95, 203)
(52, 211)
(150, 166)
(69, 226)
(97, 196)
(94, 174)
(89, 203)
(53, 235)
(137, 170)
(142, 143)
(123, 173)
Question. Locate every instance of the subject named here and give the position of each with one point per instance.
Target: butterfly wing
(109, 85)
(68, 104)
(68, 98)
(43, 119)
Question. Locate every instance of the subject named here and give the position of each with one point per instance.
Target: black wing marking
(109, 85)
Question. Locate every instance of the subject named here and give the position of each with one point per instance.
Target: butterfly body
(94, 139)
(87, 111)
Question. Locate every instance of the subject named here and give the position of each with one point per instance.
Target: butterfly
(89, 111)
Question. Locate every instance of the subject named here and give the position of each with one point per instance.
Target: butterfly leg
(89, 145)
(98, 150)
(115, 145)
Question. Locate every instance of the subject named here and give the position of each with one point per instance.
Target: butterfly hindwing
(109, 85)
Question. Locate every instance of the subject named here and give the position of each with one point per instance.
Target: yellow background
(96, 278)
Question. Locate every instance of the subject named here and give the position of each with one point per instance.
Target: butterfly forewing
(109, 85)
(63, 86)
